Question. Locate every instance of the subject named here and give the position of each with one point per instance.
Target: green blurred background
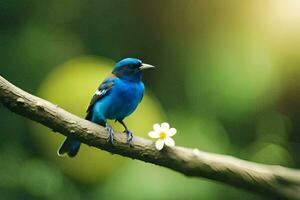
(227, 77)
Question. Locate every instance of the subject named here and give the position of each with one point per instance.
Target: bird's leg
(110, 131)
(127, 131)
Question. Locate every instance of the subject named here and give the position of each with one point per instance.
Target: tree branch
(269, 180)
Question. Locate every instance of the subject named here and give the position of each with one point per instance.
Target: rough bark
(269, 180)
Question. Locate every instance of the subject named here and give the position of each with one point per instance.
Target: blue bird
(116, 98)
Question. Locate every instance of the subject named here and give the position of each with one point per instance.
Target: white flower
(163, 133)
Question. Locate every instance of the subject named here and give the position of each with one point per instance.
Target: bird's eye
(133, 66)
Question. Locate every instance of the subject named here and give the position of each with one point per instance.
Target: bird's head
(130, 69)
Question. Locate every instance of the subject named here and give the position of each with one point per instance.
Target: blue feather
(70, 146)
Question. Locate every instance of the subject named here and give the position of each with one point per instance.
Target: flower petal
(171, 132)
(169, 142)
(156, 127)
(153, 134)
(159, 144)
(165, 126)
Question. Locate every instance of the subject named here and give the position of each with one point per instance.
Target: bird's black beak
(145, 66)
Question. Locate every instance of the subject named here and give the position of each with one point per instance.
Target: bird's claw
(110, 131)
(129, 136)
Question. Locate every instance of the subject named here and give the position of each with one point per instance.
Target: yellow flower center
(162, 135)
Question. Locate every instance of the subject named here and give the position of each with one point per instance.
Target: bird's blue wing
(102, 91)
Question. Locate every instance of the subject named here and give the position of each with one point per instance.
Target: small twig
(269, 180)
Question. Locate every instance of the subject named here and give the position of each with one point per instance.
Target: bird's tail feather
(70, 146)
